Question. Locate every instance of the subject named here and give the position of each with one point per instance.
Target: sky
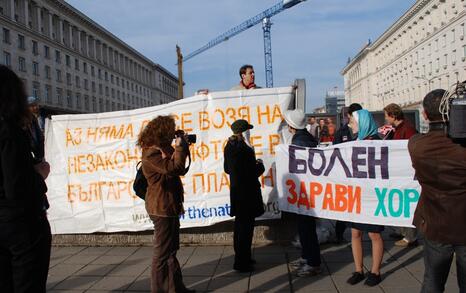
(311, 40)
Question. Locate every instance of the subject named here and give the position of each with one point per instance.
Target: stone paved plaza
(209, 268)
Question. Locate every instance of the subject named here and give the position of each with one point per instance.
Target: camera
(189, 138)
(453, 109)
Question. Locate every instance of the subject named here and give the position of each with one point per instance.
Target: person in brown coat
(440, 165)
(162, 166)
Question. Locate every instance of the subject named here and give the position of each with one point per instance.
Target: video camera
(189, 138)
(453, 109)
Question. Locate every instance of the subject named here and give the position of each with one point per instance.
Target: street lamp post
(429, 81)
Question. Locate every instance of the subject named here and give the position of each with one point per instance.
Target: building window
(76, 64)
(94, 104)
(453, 57)
(69, 100)
(68, 78)
(21, 64)
(86, 103)
(445, 60)
(6, 35)
(35, 48)
(92, 70)
(47, 72)
(47, 52)
(453, 35)
(85, 67)
(107, 92)
(86, 84)
(36, 89)
(106, 76)
(78, 83)
(59, 97)
(57, 56)
(101, 91)
(68, 60)
(47, 94)
(99, 74)
(78, 101)
(58, 75)
(464, 51)
(93, 87)
(112, 79)
(7, 59)
(21, 42)
(35, 68)
(444, 41)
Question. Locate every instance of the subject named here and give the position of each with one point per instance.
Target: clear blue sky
(312, 40)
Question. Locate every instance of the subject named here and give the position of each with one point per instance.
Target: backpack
(140, 182)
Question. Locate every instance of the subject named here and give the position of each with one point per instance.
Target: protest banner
(363, 181)
(93, 160)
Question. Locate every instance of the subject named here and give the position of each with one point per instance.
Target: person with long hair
(364, 125)
(162, 166)
(25, 238)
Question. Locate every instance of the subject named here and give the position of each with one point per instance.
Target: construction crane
(264, 18)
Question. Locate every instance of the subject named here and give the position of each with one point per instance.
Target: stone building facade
(73, 65)
(423, 50)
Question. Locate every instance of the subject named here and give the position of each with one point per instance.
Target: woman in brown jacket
(162, 166)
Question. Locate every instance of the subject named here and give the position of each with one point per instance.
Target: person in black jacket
(25, 237)
(309, 263)
(245, 191)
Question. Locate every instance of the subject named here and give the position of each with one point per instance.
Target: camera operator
(440, 166)
(162, 166)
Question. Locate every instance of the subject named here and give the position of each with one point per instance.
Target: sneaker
(307, 270)
(356, 278)
(298, 263)
(373, 280)
(405, 243)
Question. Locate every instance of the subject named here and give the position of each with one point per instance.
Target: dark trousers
(242, 239)
(308, 238)
(340, 228)
(25, 255)
(166, 270)
(437, 261)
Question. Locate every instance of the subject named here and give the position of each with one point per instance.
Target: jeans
(25, 255)
(166, 270)
(437, 261)
(242, 239)
(308, 238)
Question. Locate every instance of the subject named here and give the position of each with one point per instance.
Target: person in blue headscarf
(364, 125)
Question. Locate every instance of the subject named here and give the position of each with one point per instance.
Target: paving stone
(306, 284)
(128, 270)
(81, 259)
(229, 284)
(109, 259)
(53, 280)
(78, 283)
(95, 250)
(113, 283)
(340, 268)
(205, 250)
(66, 291)
(199, 270)
(398, 279)
(209, 259)
(95, 270)
(140, 284)
(126, 251)
(275, 278)
(65, 269)
(197, 283)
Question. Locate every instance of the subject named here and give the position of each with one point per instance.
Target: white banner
(363, 182)
(94, 156)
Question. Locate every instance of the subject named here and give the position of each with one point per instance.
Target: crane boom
(277, 8)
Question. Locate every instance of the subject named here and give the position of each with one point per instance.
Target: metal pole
(266, 25)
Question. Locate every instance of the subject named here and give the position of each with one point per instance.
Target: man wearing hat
(309, 263)
(245, 191)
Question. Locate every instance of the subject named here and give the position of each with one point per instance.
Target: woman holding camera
(25, 237)
(162, 166)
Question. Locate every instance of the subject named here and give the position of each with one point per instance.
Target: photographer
(440, 166)
(162, 166)
(245, 191)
